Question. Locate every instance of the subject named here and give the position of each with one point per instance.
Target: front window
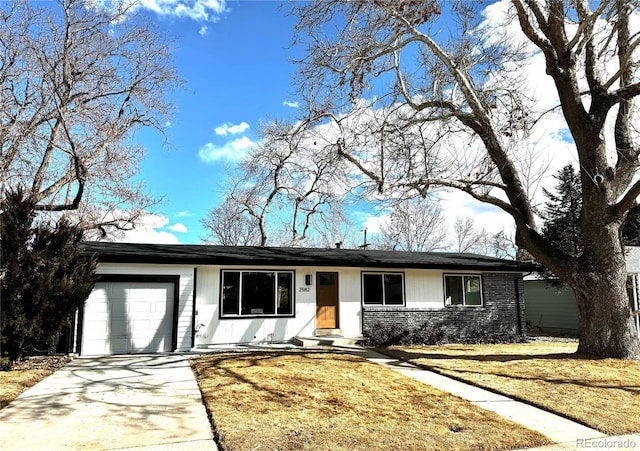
(257, 293)
(383, 288)
(463, 289)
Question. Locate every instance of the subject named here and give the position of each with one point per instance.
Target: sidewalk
(141, 401)
(567, 434)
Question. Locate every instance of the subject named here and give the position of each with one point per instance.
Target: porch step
(335, 340)
(328, 332)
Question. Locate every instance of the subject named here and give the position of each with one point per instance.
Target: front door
(327, 300)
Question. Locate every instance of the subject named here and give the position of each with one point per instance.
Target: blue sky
(235, 58)
(237, 73)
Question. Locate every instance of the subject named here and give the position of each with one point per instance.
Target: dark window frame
(464, 296)
(239, 315)
(384, 297)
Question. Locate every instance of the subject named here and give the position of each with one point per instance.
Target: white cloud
(191, 9)
(147, 231)
(231, 150)
(456, 204)
(178, 228)
(291, 104)
(203, 31)
(199, 10)
(230, 129)
(183, 214)
(373, 223)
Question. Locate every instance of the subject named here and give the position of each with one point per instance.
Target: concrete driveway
(119, 402)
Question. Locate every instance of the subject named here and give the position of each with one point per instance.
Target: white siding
(632, 258)
(213, 330)
(423, 289)
(350, 294)
(185, 291)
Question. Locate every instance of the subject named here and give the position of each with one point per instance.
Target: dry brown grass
(27, 373)
(14, 382)
(602, 393)
(305, 400)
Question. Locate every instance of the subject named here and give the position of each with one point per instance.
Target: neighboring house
(554, 309)
(159, 298)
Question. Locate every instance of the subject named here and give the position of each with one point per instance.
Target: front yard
(290, 400)
(601, 393)
(26, 374)
(329, 400)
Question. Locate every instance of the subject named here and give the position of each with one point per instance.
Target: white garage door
(128, 317)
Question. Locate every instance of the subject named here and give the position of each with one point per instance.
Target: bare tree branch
(419, 106)
(76, 82)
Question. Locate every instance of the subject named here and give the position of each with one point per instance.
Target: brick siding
(502, 313)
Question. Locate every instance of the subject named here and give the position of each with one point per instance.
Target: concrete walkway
(567, 434)
(141, 401)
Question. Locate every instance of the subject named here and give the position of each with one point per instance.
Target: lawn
(290, 400)
(26, 374)
(601, 393)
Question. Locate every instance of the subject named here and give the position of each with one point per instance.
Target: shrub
(45, 281)
(5, 364)
(381, 335)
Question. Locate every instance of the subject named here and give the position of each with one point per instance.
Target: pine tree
(45, 278)
(562, 212)
(562, 215)
(631, 228)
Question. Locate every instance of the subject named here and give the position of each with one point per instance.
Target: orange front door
(327, 300)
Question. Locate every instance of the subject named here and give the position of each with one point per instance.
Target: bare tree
(75, 84)
(285, 186)
(469, 238)
(466, 237)
(502, 245)
(335, 229)
(229, 225)
(417, 225)
(451, 107)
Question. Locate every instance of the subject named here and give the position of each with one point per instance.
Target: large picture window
(463, 289)
(383, 288)
(257, 293)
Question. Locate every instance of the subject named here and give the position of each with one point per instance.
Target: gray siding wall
(503, 312)
(551, 309)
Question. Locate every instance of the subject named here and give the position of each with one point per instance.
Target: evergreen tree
(45, 278)
(631, 228)
(562, 215)
(562, 212)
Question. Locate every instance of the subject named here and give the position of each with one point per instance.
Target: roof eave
(137, 259)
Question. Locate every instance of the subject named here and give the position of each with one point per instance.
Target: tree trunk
(607, 328)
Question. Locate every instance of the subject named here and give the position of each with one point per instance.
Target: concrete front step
(325, 341)
(328, 332)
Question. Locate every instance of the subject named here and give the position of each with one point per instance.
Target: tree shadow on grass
(218, 365)
(523, 378)
(417, 359)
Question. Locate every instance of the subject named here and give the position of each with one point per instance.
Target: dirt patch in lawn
(27, 373)
(317, 400)
(601, 393)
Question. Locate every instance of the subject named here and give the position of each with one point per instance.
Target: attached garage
(130, 314)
